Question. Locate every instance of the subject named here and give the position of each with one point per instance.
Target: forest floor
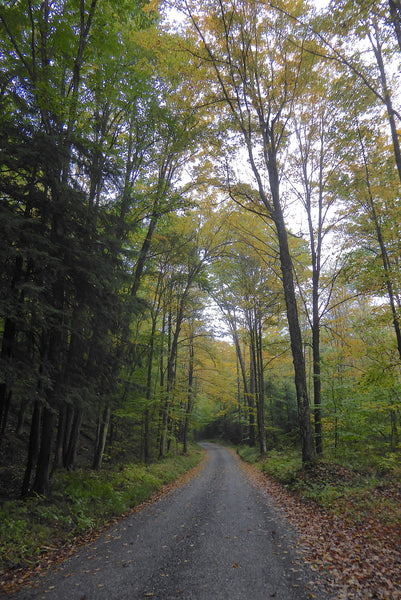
(355, 539)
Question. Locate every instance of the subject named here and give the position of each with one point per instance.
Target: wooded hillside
(200, 227)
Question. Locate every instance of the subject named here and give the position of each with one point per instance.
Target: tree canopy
(200, 211)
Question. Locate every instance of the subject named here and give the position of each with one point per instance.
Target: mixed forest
(200, 231)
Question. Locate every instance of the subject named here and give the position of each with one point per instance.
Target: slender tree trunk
(377, 49)
(70, 456)
(240, 359)
(239, 400)
(53, 344)
(255, 377)
(42, 476)
(101, 438)
(383, 249)
(10, 326)
(6, 358)
(252, 396)
(308, 451)
(304, 421)
(162, 378)
(19, 429)
(260, 381)
(144, 251)
(146, 441)
(167, 391)
(68, 418)
(58, 452)
(188, 409)
(317, 386)
(172, 355)
(33, 448)
(6, 395)
(394, 429)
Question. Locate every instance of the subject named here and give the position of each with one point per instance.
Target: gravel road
(215, 538)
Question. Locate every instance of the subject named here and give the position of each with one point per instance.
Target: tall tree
(247, 290)
(55, 177)
(311, 166)
(255, 69)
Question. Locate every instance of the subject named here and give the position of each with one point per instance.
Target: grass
(80, 502)
(353, 492)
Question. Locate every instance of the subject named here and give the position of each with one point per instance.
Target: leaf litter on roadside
(359, 561)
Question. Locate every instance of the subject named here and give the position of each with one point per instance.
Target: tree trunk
(19, 429)
(6, 357)
(69, 459)
(394, 429)
(317, 387)
(58, 452)
(42, 479)
(101, 438)
(188, 409)
(52, 350)
(383, 250)
(252, 396)
(172, 355)
(247, 396)
(239, 400)
(305, 429)
(167, 392)
(33, 447)
(260, 382)
(377, 49)
(8, 341)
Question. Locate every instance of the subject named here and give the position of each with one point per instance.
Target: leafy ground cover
(349, 520)
(40, 531)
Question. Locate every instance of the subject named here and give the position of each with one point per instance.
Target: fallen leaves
(360, 561)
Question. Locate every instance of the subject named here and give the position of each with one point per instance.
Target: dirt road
(216, 538)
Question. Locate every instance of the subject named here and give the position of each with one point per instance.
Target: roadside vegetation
(81, 503)
(347, 513)
(355, 490)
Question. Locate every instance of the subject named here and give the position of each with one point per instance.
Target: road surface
(215, 538)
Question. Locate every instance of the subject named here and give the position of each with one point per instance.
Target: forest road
(215, 538)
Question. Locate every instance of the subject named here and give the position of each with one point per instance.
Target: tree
(255, 69)
(370, 189)
(61, 179)
(311, 167)
(248, 292)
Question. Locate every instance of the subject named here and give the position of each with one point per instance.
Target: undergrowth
(355, 493)
(80, 502)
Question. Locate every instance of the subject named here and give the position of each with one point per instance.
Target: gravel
(215, 538)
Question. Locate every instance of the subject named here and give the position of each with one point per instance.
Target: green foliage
(94, 146)
(21, 536)
(352, 493)
(282, 465)
(81, 501)
(251, 455)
